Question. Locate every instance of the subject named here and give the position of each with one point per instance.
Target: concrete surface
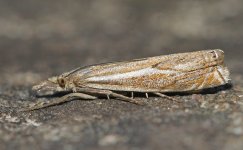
(39, 39)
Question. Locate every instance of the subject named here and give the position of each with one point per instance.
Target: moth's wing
(182, 63)
(136, 75)
(118, 67)
(162, 73)
(162, 62)
(178, 73)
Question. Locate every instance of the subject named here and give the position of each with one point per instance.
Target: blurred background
(55, 36)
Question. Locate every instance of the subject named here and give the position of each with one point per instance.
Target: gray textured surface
(40, 39)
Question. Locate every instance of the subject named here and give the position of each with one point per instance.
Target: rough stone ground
(40, 39)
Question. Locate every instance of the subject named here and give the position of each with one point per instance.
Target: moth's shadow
(213, 90)
(59, 94)
(217, 89)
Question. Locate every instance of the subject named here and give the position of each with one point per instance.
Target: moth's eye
(61, 82)
(214, 55)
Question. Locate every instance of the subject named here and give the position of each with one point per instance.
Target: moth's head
(50, 86)
(216, 55)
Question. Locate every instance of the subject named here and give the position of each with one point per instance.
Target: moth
(182, 72)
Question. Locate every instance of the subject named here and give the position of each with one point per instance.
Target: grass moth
(181, 72)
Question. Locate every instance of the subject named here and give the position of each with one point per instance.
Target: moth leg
(56, 101)
(146, 94)
(127, 99)
(132, 95)
(109, 93)
(167, 97)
